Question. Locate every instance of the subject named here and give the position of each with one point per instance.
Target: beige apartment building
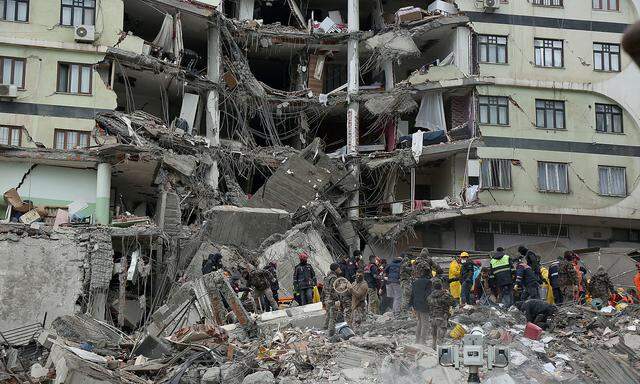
(558, 135)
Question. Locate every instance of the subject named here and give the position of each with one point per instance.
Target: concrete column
(103, 191)
(213, 97)
(245, 11)
(353, 129)
(387, 65)
(413, 188)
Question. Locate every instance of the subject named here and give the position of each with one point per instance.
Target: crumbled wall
(38, 275)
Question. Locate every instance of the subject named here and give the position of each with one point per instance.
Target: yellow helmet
(464, 254)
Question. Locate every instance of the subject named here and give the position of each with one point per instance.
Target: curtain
(164, 39)
(431, 113)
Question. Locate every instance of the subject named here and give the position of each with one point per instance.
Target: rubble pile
(581, 346)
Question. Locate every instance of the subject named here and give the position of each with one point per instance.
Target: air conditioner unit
(8, 91)
(85, 33)
(490, 5)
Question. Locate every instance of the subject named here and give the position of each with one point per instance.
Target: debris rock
(262, 377)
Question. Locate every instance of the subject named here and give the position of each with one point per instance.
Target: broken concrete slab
(227, 373)
(262, 377)
(245, 227)
(303, 178)
(632, 341)
(284, 250)
(184, 164)
(310, 316)
(71, 369)
(152, 347)
(83, 328)
(34, 265)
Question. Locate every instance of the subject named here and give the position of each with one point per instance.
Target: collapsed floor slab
(246, 227)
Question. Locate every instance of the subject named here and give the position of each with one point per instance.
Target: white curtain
(178, 43)
(165, 36)
(431, 113)
(416, 144)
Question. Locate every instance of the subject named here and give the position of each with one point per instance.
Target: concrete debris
(246, 227)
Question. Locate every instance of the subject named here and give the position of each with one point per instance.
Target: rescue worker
(407, 269)
(420, 291)
(348, 268)
(567, 278)
(260, 281)
(425, 260)
(600, 286)
(554, 280)
(581, 271)
(212, 263)
(304, 279)
(358, 300)
(275, 284)
(537, 311)
(501, 272)
(372, 277)
(467, 271)
(526, 281)
(331, 298)
(392, 281)
(533, 261)
(439, 303)
(455, 270)
(357, 259)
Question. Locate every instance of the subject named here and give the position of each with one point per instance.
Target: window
(523, 229)
(12, 71)
(11, 136)
(606, 57)
(623, 234)
(495, 174)
(549, 53)
(77, 12)
(548, 3)
(550, 114)
(493, 49)
(14, 10)
(74, 78)
(608, 118)
(494, 110)
(613, 181)
(606, 5)
(65, 139)
(553, 177)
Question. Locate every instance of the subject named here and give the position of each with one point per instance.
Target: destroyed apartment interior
(321, 191)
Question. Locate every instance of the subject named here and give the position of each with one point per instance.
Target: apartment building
(558, 134)
(54, 80)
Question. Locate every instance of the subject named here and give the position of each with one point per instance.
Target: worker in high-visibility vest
(501, 272)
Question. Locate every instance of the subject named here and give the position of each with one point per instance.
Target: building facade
(55, 79)
(557, 158)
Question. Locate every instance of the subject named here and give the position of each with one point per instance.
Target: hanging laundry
(431, 113)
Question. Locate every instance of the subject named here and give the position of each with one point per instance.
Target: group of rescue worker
(419, 285)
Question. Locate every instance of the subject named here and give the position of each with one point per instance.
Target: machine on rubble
(472, 355)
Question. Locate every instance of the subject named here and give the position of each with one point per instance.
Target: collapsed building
(263, 129)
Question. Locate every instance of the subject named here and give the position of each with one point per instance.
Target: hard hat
(464, 254)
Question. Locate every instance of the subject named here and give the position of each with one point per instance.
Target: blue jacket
(393, 271)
